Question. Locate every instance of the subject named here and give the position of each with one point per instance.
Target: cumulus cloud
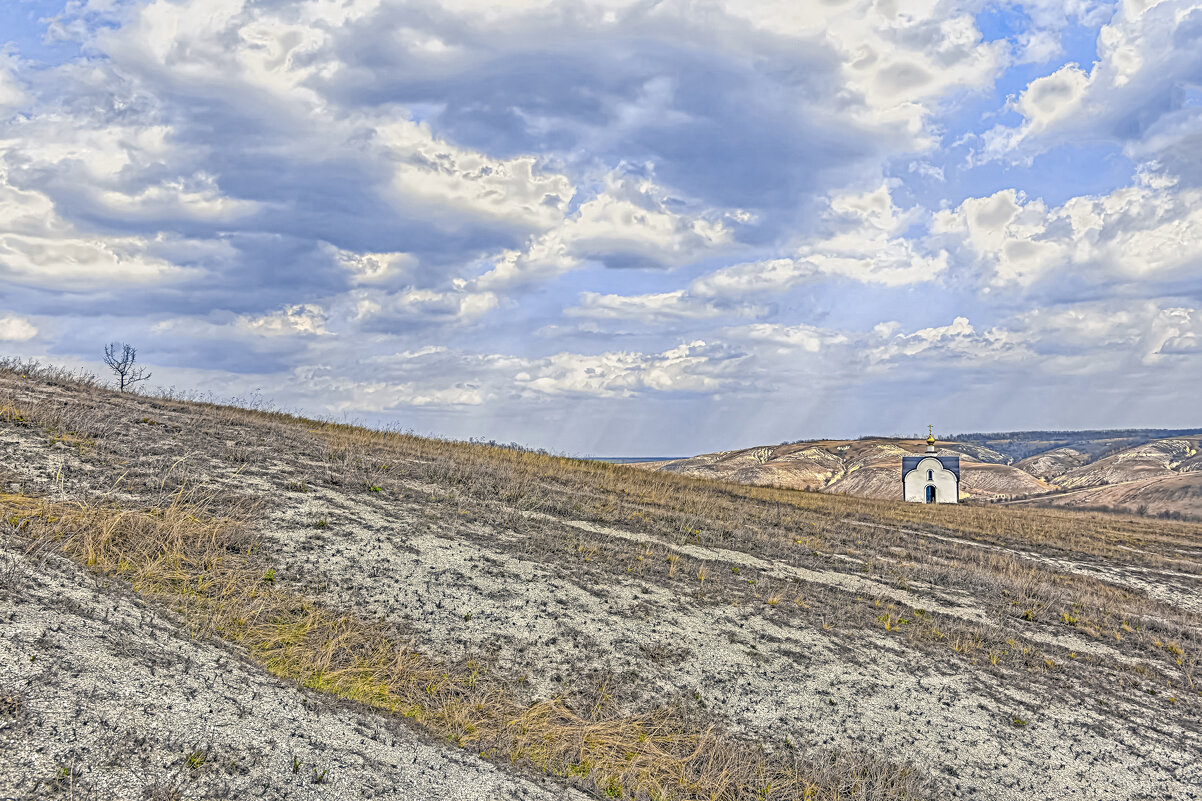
(195, 198)
(1136, 93)
(1102, 336)
(630, 223)
(861, 240)
(318, 135)
(788, 340)
(956, 342)
(39, 247)
(373, 311)
(16, 329)
(897, 61)
(691, 367)
(305, 318)
(1148, 231)
(432, 176)
(374, 269)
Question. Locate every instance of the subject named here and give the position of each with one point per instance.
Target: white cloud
(957, 343)
(788, 340)
(78, 264)
(373, 268)
(898, 58)
(692, 367)
(302, 318)
(928, 170)
(863, 241)
(654, 308)
(1147, 53)
(1102, 336)
(1038, 46)
(194, 198)
(1145, 231)
(102, 153)
(39, 248)
(16, 329)
(439, 376)
(629, 223)
(434, 176)
(296, 320)
(1053, 98)
(12, 94)
(410, 305)
(261, 67)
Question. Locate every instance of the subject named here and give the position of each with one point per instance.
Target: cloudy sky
(616, 226)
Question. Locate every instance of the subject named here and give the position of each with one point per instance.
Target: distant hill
(1071, 468)
(1020, 445)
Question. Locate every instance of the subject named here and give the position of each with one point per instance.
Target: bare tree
(120, 358)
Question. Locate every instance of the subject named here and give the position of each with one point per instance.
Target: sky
(616, 227)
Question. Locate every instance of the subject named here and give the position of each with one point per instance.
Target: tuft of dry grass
(209, 568)
(11, 414)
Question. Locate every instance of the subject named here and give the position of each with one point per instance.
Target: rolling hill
(1031, 467)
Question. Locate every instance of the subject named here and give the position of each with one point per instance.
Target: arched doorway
(931, 494)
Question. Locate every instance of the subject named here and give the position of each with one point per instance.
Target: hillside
(205, 601)
(871, 467)
(867, 468)
(1176, 496)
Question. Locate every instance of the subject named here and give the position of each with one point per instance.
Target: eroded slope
(1006, 654)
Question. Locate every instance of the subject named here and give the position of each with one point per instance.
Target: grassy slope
(644, 585)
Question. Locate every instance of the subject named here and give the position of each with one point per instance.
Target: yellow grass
(209, 568)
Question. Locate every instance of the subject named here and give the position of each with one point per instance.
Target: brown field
(211, 601)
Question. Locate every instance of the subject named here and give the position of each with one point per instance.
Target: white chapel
(932, 477)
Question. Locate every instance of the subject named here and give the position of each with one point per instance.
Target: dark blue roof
(949, 462)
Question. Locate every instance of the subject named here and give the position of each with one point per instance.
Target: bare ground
(114, 701)
(838, 625)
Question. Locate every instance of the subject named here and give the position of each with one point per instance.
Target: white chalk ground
(770, 679)
(115, 699)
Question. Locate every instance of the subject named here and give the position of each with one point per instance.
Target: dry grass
(208, 567)
(1025, 597)
(705, 509)
(500, 488)
(768, 522)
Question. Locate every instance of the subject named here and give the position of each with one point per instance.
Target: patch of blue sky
(1062, 173)
(977, 112)
(23, 28)
(424, 112)
(1078, 41)
(955, 171)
